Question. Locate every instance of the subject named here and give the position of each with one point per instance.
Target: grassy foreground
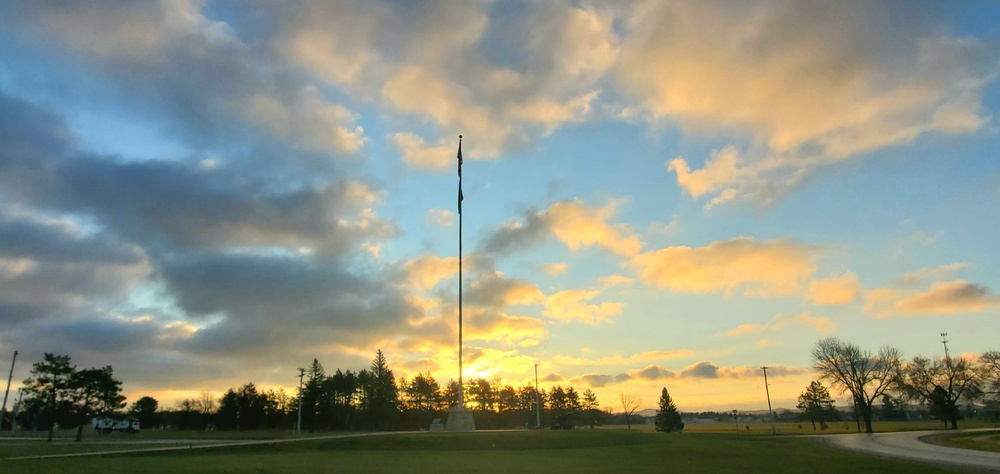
(513, 451)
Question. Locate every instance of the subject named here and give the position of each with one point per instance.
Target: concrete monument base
(460, 419)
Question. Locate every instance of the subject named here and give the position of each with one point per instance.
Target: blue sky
(203, 194)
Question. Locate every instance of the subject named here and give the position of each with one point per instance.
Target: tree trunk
(52, 410)
(79, 432)
(866, 412)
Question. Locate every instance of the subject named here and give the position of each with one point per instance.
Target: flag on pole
(460, 196)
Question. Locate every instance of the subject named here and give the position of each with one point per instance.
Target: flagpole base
(460, 419)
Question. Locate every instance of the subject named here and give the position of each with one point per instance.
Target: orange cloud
(425, 272)
(760, 268)
(949, 297)
(570, 305)
(497, 291)
(619, 359)
(578, 225)
(504, 328)
(836, 290)
(719, 170)
(821, 324)
(555, 268)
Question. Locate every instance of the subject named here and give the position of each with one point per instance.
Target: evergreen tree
(381, 396)
(668, 419)
(816, 405)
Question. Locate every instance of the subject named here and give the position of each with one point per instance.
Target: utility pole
(947, 357)
(538, 401)
(3, 411)
(298, 426)
(17, 409)
(768, 392)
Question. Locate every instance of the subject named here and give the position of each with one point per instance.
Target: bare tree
(205, 404)
(629, 405)
(989, 372)
(864, 375)
(941, 383)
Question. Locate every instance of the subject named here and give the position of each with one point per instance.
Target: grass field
(978, 441)
(603, 450)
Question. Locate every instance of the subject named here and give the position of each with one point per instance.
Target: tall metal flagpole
(461, 386)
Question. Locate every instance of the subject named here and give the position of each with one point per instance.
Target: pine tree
(668, 419)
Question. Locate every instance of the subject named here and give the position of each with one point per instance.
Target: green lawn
(514, 451)
(981, 441)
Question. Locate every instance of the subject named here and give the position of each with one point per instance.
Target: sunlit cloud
(615, 280)
(794, 79)
(426, 271)
(835, 290)
(504, 328)
(760, 268)
(926, 276)
(420, 156)
(942, 298)
(555, 268)
(574, 223)
(572, 305)
(618, 359)
(497, 291)
(821, 324)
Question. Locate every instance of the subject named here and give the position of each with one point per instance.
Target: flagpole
(459, 417)
(461, 386)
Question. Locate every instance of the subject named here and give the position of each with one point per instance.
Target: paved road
(905, 444)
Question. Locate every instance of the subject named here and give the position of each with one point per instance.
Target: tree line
(59, 394)
(939, 384)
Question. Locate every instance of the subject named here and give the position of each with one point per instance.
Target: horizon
(203, 194)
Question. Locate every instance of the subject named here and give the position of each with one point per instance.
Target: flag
(460, 196)
(459, 156)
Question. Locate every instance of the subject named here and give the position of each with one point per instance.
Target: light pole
(538, 401)
(298, 426)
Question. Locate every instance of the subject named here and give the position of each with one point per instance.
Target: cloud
(441, 217)
(694, 373)
(701, 370)
(592, 380)
(450, 66)
(619, 359)
(420, 156)
(504, 328)
(165, 58)
(555, 268)
(720, 170)
(926, 276)
(615, 280)
(573, 222)
(759, 268)
(942, 298)
(571, 305)
(835, 290)
(426, 271)
(821, 324)
(797, 81)
(494, 290)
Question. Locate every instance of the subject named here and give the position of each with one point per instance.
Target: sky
(657, 194)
